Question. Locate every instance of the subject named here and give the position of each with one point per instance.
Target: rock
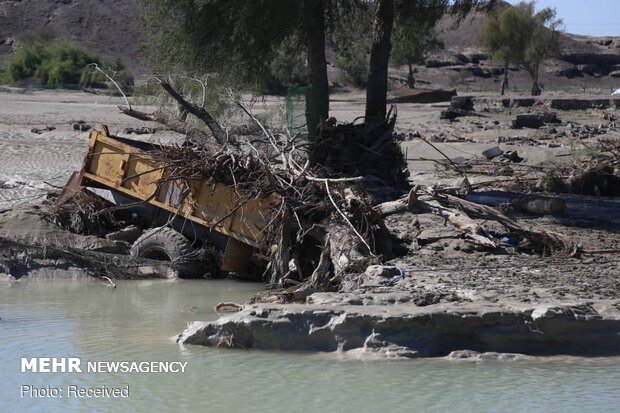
(569, 72)
(535, 120)
(81, 126)
(603, 59)
(385, 271)
(476, 57)
(461, 58)
(579, 104)
(462, 103)
(480, 72)
(422, 300)
(442, 62)
(128, 234)
(512, 156)
(492, 152)
(550, 117)
(522, 102)
(448, 114)
(615, 73)
(596, 70)
(39, 131)
(527, 120)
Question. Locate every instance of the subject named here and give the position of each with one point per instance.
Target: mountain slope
(107, 27)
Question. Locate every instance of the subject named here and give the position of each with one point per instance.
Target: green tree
(352, 42)
(394, 13)
(412, 43)
(518, 35)
(544, 44)
(55, 63)
(289, 66)
(43, 57)
(241, 38)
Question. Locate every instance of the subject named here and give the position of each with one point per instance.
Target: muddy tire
(166, 244)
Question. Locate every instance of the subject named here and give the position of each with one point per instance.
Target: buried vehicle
(189, 220)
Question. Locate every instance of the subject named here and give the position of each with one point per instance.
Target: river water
(137, 322)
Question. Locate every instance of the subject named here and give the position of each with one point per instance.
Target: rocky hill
(585, 61)
(109, 27)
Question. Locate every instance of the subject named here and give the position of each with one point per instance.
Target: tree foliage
(412, 41)
(519, 35)
(56, 63)
(352, 45)
(246, 40)
(288, 67)
(239, 39)
(45, 59)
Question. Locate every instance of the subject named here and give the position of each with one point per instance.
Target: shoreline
(405, 331)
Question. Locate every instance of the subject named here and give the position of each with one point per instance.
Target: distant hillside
(109, 28)
(465, 35)
(106, 27)
(586, 62)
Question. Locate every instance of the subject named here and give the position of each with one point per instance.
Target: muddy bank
(446, 295)
(410, 331)
(32, 245)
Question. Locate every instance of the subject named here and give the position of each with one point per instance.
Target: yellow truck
(182, 216)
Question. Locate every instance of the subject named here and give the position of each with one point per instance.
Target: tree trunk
(410, 78)
(505, 80)
(317, 96)
(535, 87)
(376, 89)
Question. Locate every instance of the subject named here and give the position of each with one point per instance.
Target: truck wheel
(166, 244)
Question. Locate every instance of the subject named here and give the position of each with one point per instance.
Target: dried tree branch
(218, 132)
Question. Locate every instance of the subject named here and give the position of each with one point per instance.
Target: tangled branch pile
(88, 214)
(323, 225)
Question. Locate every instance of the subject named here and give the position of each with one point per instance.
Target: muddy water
(135, 322)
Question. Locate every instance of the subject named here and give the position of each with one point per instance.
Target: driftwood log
(472, 230)
(455, 210)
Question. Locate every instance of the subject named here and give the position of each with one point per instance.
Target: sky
(588, 17)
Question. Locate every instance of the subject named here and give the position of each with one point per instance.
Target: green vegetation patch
(55, 62)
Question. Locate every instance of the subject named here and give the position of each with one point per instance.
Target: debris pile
(323, 224)
(88, 214)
